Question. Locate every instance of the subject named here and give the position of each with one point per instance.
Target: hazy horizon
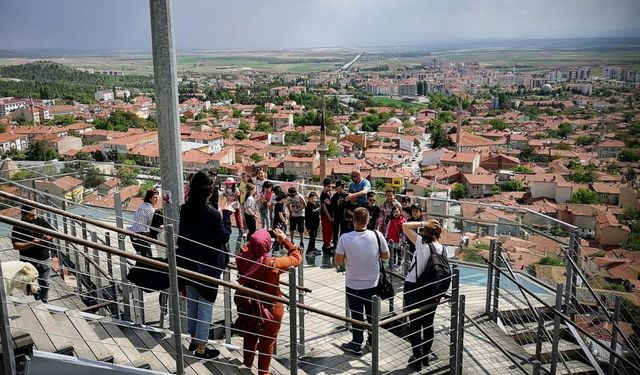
(262, 25)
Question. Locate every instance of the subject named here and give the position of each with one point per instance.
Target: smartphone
(272, 233)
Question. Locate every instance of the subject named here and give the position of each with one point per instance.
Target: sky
(285, 24)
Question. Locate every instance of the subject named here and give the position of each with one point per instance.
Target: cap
(229, 181)
(416, 207)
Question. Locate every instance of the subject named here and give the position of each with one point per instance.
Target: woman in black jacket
(202, 236)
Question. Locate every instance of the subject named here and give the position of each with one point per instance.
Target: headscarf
(253, 254)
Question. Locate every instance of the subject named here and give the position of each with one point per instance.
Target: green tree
(522, 169)
(296, 138)
(332, 150)
(41, 150)
(498, 124)
(379, 184)
(586, 140)
(585, 196)
(439, 138)
(563, 146)
(256, 158)
(564, 129)
(23, 174)
(630, 155)
(458, 191)
(240, 135)
(551, 261)
(264, 127)
(128, 172)
(244, 126)
(513, 185)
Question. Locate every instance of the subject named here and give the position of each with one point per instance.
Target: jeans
(251, 225)
(44, 271)
(199, 314)
(421, 330)
(360, 300)
(264, 218)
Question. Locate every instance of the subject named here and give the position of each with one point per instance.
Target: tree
(255, 157)
(23, 174)
(41, 150)
(586, 140)
(240, 135)
(458, 191)
(264, 127)
(296, 138)
(244, 126)
(522, 169)
(513, 185)
(128, 172)
(564, 130)
(498, 124)
(332, 150)
(379, 184)
(630, 155)
(585, 196)
(563, 146)
(439, 137)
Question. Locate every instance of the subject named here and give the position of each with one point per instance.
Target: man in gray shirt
(360, 251)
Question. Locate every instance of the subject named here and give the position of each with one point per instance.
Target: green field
(215, 63)
(389, 102)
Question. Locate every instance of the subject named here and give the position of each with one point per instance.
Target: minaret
(459, 128)
(322, 149)
(33, 113)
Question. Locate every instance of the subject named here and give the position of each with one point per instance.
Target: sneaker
(352, 347)
(192, 347)
(415, 364)
(208, 354)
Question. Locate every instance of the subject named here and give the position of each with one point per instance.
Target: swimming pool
(478, 277)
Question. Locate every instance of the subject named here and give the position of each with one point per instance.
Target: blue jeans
(199, 314)
(44, 272)
(264, 218)
(360, 301)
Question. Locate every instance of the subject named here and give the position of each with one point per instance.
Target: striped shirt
(143, 218)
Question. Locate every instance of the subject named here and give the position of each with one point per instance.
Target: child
(251, 210)
(374, 210)
(296, 205)
(395, 234)
(326, 216)
(279, 218)
(337, 209)
(265, 204)
(406, 207)
(312, 221)
(232, 195)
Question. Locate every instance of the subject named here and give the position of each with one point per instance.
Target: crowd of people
(359, 231)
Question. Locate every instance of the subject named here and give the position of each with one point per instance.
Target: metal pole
(536, 367)
(556, 330)
(293, 323)
(496, 287)
(540, 336)
(301, 313)
(574, 277)
(96, 258)
(375, 336)
(87, 269)
(114, 287)
(347, 312)
(166, 98)
(492, 249)
(76, 258)
(460, 335)
(569, 276)
(174, 298)
(8, 357)
(614, 335)
(453, 337)
(226, 276)
(126, 288)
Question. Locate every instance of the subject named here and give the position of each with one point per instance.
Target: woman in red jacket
(259, 271)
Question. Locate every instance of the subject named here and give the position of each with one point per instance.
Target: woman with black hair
(202, 236)
(142, 222)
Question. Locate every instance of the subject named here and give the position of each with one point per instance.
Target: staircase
(523, 328)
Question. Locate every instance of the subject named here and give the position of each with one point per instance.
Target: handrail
(181, 271)
(100, 224)
(413, 311)
(565, 318)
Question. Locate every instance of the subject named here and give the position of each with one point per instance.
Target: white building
(10, 104)
(104, 95)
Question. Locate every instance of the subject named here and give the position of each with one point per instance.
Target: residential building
(392, 179)
(300, 166)
(496, 162)
(407, 87)
(10, 141)
(104, 95)
(609, 232)
(608, 193)
(10, 104)
(126, 144)
(282, 120)
(465, 162)
(479, 185)
(609, 148)
(67, 188)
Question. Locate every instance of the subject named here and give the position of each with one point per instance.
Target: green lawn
(389, 102)
(212, 63)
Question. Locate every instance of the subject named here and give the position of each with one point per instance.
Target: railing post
(126, 288)
(569, 275)
(460, 344)
(85, 236)
(301, 313)
(76, 258)
(492, 249)
(174, 298)
(8, 357)
(496, 287)
(114, 287)
(293, 323)
(96, 258)
(540, 336)
(375, 336)
(556, 330)
(614, 335)
(453, 336)
(347, 312)
(536, 367)
(226, 276)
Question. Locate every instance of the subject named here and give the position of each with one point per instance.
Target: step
(65, 326)
(146, 355)
(122, 355)
(529, 335)
(43, 315)
(150, 343)
(29, 323)
(87, 333)
(576, 367)
(120, 339)
(568, 349)
(192, 365)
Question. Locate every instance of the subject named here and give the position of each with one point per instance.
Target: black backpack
(437, 274)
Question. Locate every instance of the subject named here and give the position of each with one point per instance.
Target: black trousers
(313, 234)
(141, 246)
(421, 330)
(250, 221)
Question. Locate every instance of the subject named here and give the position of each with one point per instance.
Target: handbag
(149, 278)
(384, 289)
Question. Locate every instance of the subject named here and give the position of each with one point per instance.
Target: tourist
(264, 199)
(326, 218)
(358, 189)
(215, 194)
(202, 236)
(232, 196)
(374, 210)
(279, 218)
(337, 210)
(259, 271)
(251, 209)
(142, 222)
(395, 237)
(277, 191)
(361, 251)
(35, 248)
(386, 208)
(406, 207)
(421, 332)
(312, 221)
(295, 206)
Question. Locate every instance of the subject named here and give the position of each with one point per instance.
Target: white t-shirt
(360, 249)
(421, 255)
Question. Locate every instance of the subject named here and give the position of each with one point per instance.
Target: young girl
(312, 221)
(231, 195)
(395, 234)
(251, 209)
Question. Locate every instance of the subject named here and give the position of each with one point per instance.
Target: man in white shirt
(361, 251)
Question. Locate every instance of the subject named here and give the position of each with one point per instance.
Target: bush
(471, 255)
(585, 196)
(551, 261)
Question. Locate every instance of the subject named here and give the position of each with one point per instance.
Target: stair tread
(192, 365)
(576, 367)
(62, 344)
(154, 346)
(120, 357)
(119, 338)
(80, 347)
(87, 333)
(563, 345)
(28, 322)
(146, 354)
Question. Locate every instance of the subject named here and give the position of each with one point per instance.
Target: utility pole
(323, 149)
(166, 94)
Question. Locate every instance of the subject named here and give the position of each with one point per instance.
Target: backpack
(437, 274)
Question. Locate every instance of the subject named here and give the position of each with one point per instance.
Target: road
(348, 65)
